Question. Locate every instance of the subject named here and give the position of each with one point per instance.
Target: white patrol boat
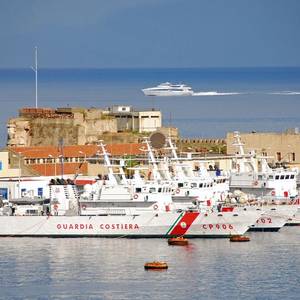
(111, 209)
(276, 183)
(65, 216)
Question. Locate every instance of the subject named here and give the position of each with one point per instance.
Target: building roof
(77, 150)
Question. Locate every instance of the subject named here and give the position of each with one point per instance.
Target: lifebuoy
(83, 207)
(155, 207)
(177, 191)
(273, 193)
(135, 196)
(255, 182)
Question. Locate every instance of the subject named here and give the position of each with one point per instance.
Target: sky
(150, 33)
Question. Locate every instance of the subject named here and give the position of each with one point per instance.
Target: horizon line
(150, 68)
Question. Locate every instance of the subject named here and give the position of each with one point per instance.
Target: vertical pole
(61, 143)
(19, 185)
(36, 77)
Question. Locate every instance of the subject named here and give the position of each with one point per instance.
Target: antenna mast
(35, 69)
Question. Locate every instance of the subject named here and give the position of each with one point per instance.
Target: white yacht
(169, 89)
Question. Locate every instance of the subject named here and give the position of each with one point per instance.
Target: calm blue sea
(260, 99)
(267, 267)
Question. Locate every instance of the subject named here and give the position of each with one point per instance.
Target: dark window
(152, 190)
(278, 156)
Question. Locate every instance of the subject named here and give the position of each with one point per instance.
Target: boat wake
(215, 93)
(285, 93)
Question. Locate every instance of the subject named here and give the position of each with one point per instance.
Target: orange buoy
(239, 238)
(178, 241)
(156, 265)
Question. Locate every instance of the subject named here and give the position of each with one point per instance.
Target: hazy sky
(150, 33)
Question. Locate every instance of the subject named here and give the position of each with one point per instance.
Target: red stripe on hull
(184, 223)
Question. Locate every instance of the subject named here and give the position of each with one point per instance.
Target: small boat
(239, 238)
(156, 265)
(178, 241)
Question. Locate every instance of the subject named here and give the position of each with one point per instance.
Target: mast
(35, 69)
(152, 160)
(238, 143)
(105, 154)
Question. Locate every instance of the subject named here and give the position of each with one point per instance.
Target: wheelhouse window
(276, 177)
(180, 184)
(138, 190)
(152, 190)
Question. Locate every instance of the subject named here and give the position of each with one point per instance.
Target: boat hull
(167, 93)
(152, 225)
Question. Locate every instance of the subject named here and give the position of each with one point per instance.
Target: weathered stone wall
(77, 126)
(50, 131)
(277, 145)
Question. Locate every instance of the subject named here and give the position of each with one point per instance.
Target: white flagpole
(35, 69)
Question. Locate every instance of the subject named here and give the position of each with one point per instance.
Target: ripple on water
(267, 267)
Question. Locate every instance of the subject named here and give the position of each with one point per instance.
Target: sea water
(267, 267)
(244, 99)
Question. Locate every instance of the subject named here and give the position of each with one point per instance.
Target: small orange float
(239, 238)
(178, 241)
(156, 265)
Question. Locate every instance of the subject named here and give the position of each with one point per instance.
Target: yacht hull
(167, 93)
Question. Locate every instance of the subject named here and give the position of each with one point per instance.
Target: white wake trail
(285, 93)
(215, 93)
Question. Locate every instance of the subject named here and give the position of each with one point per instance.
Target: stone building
(46, 126)
(129, 119)
(278, 147)
(79, 126)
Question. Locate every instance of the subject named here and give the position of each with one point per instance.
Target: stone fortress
(80, 126)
